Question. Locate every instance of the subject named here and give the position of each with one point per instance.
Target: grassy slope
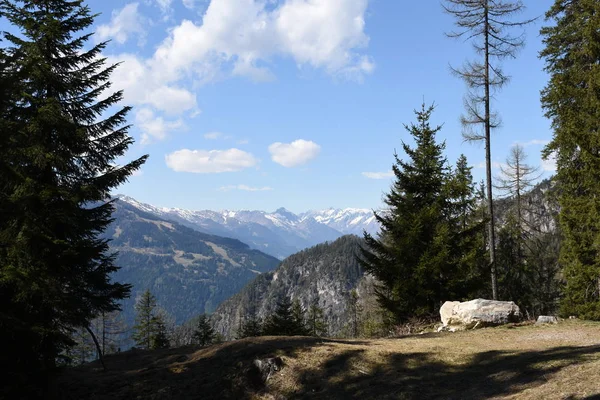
(524, 362)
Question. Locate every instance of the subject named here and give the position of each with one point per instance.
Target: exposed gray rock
(262, 370)
(478, 313)
(546, 319)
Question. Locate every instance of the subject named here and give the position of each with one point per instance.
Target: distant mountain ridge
(279, 233)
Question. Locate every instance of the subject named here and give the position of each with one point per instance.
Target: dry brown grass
(522, 362)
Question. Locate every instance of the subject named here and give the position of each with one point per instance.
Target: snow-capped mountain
(279, 233)
(346, 220)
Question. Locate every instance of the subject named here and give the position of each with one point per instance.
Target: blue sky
(258, 104)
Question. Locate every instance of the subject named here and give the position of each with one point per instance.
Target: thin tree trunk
(103, 333)
(100, 357)
(488, 159)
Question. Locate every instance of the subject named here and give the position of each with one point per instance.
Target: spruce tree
(160, 336)
(298, 318)
(514, 272)
(354, 311)
(286, 321)
(571, 100)
(58, 169)
(466, 234)
(252, 327)
(204, 333)
(145, 320)
(488, 25)
(315, 320)
(412, 257)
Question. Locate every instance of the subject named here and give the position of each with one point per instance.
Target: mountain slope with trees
(324, 275)
(189, 272)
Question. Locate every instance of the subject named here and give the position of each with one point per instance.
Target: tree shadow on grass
(215, 372)
(221, 372)
(419, 376)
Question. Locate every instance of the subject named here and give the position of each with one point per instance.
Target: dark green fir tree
(160, 335)
(571, 100)
(145, 320)
(286, 321)
(204, 333)
(315, 320)
(58, 170)
(251, 327)
(415, 254)
(298, 318)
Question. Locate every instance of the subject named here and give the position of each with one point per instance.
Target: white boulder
(546, 319)
(479, 313)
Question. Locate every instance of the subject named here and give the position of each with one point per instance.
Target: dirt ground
(513, 362)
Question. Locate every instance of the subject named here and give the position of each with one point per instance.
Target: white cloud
(123, 24)
(164, 5)
(495, 165)
(293, 154)
(210, 161)
(190, 4)
(154, 127)
(141, 87)
(550, 163)
(325, 34)
(534, 142)
(171, 100)
(213, 135)
(245, 188)
(237, 38)
(378, 175)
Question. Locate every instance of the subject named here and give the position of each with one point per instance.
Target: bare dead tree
(488, 25)
(516, 177)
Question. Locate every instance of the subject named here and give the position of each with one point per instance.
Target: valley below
(522, 361)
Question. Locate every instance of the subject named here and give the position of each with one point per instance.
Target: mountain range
(279, 233)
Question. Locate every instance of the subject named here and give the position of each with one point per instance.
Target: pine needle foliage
(421, 255)
(204, 333)
(571, 100)
(60, 141)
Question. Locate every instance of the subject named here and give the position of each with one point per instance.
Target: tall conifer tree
(57, 173)
(204, 333)
(571, 100)
(489, 25)
(412, 257)
(145, 320)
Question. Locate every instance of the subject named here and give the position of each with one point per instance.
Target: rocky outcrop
(478, 313)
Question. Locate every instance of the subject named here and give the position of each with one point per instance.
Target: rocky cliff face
(325, 273)
(540, 208)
